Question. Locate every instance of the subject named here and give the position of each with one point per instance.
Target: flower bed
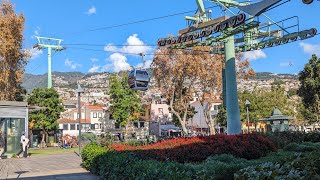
(197, 149)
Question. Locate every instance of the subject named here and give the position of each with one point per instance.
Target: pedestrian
(21, 146)
(65, 143)
(25, 145)
(1, 144)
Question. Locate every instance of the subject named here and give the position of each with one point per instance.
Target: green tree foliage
(263, 103)
(45, 119)
(309, 90)
(126, 104)
(221, 117)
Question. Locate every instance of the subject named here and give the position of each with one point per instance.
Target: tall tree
(45, 119)
(126, 104)
(180, 73)
(12, 58)
(263, 102)
(309, 89)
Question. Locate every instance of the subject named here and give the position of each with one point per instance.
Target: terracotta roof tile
(71, 121)
(95, 107)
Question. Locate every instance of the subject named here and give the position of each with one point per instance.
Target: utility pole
(50, 44)
(79, 91)
(247, 107)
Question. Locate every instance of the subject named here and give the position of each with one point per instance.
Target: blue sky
(71, 21)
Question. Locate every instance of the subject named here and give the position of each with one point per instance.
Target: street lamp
(79, 91)
(247, 106)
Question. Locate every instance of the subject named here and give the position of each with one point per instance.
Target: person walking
(1, 144)
(21, 142)
(25, 147)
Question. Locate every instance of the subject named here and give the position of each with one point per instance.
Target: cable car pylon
(50, 44)
(250, 35)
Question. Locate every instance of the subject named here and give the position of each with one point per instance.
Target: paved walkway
(64, 166)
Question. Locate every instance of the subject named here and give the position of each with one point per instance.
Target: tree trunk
(210, 122)
(43, 142)
(182, 121)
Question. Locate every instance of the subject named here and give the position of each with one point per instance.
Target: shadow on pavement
(20, 172)
(74, 176)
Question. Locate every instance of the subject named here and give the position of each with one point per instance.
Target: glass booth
(12, 129)
(13, 122)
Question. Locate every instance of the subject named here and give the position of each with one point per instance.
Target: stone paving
(64, 166)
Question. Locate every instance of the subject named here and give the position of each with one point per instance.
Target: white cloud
(91, 11)
(147, 64)
(71, 64)
(133, 46)
(118, 60)
(254, 55)
(35, 53)
(118, 63)
(95, 68)
(110, 47)
(94, 60)
(310, 48)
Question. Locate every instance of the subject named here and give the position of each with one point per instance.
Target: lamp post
(247, 106)
(79, 91)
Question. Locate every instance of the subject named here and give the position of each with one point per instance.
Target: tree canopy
(263, 103)
(45, 119)
(12, 58)
(179, 73)
(126, 104)
(309, 89)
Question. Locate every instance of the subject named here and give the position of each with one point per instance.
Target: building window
(96, 126)
(100, 115)
(92, 126)
(95, 115)
(65, 127)
(77, 126)
(72, 127)
(117, 126)
(160, 110)
(136, 125)
(141, 124)
(216, 107)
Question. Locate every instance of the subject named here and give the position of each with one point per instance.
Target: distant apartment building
(92, 118)
(197, 124)
(160, 118)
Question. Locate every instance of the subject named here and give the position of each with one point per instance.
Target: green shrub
(127, 165)
(136, 142)
(304, 147)
(302, 166)
(105, 140)
(88, 137)
(89, 153)
(269, 170)
(114, 165)
(281, 139)
(220, 167)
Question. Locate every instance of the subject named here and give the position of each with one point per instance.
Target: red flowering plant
(197, 149)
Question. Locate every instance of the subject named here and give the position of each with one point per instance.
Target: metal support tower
(251, 35)
(232, 104)
(50, 44)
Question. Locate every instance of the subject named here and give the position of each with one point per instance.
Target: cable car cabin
(138, 80)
